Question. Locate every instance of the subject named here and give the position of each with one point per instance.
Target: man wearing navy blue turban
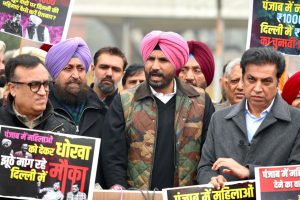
(67, 63)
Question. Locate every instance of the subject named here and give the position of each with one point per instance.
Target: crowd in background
(158, 125)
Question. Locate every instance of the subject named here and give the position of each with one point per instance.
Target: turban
(173, 46)
(35, 19)
(61, 53)
(41, 54)
(204, 58)
(291, 88)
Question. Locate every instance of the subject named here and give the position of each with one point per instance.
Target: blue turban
(61, 53)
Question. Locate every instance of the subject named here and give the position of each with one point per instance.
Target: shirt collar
(24, 119)
(263, 113)
(161, 94)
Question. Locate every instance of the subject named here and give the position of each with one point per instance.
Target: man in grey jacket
(262, 130)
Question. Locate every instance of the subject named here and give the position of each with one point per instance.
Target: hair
(230, 65)
(2, 47)
(16, 13)
(115, 51)
(132, 70)
(24, 60)
(263, 55)
(76, 183)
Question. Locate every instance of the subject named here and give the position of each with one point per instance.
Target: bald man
(157, 126)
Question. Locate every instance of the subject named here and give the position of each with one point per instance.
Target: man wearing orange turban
(158, 126)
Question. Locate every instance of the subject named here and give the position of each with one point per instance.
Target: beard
(2, 80)
(106, 89)
(165, 81)
(67, 96)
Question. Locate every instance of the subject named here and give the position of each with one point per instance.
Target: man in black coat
(68, 62)
(28, 106)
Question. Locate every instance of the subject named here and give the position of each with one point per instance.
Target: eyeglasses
(35, 86)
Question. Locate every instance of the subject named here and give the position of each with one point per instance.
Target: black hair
(131, 70)
(24, 60)
(263, 55)
(111, 51)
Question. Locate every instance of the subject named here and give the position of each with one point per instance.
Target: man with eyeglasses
(27, 104)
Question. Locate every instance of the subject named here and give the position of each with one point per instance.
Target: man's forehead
(158, 53)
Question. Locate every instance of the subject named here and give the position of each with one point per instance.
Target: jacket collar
(279, 109)
(47, 112)
(183, 89)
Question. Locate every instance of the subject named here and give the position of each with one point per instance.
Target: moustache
(108, 79)
(73, 81)
(156, 73)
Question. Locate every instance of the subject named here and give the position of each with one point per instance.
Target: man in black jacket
(68, 62)
(28, 106)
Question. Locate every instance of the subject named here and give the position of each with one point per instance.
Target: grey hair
(2, 46)
(231, 64)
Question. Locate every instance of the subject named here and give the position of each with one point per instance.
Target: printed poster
(39, 164)
(281, 182)
(44, 21)
(275, 23)
(232, 190)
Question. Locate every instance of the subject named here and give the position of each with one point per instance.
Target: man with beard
(108, 69)
(200, 68)
(67, 63)
(2, 68)
(13, 26)
(156, 126)
(75, 194)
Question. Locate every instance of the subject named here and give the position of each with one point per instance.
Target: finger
(215, 183)
(228, 171)
(219, 163)
(221, 181)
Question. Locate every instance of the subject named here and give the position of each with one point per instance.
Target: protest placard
(37, 164)
(45, 21)
(232, 190)
(278, 182)
(276, 24)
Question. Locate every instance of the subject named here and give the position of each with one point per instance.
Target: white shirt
(35, 36)
(254, 122)
(164, 97)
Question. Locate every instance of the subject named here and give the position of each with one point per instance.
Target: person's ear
(11, 88)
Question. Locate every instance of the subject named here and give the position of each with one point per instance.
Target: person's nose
(75, 74)
(240, 85)
(109, 72)
(189, 75)
(257, 87)
(156, 64)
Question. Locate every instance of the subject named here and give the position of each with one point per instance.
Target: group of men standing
(161, 133)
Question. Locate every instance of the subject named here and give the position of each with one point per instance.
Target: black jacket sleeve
(208, 111)
(113, 146)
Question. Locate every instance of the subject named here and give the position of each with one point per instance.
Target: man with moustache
(13, 26)
(28, 83)
(261, 130)
(108, 69)
(200, 68)
(156, 126)
(68, 63)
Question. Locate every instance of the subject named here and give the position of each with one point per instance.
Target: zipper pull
(77, 129)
